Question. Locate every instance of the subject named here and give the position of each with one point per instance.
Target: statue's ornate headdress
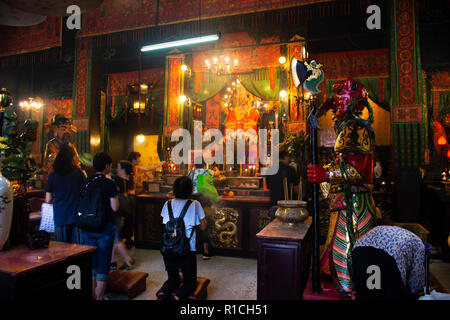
(59, 119)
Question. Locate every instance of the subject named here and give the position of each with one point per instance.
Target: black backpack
(91, 211)
(175, 243)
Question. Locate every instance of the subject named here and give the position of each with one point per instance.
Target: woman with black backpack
(179, 239)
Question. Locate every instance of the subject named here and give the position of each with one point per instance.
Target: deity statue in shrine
(352, 209)
(62, 128)
(244, 116)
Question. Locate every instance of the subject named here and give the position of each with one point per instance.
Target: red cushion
(129, 282)
(200, 293)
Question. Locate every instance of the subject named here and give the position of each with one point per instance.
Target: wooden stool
(200, 292)
(130, 283)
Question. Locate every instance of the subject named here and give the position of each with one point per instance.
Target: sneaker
(161, 297)
(206, 256)
(113, 266)
(128, 265)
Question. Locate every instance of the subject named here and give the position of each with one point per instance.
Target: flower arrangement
(3, 144)
(297, 147)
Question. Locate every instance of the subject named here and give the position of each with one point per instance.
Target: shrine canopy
(262, 82)
(258, 73)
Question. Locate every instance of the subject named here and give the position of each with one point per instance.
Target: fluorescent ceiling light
(177, 43)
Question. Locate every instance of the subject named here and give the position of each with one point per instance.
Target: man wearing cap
(62, 127)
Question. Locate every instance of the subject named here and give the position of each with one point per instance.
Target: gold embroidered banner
(82, 76)
(119, 15)
(174, 87)
(117, 82)
(406, 53)
(17, 40)
(54, 107)
(355, 64)
(440, 81)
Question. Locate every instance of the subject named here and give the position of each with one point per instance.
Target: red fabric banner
(440, 81)
(198, 82)
(213, 112)
(17, 40)
(81, 77)
(356, 64)
(406, 53)
(248, 58)
(174, 91)
(119, 15)
(408, 114)
(272, 78)
(54, 107)
(117, 82)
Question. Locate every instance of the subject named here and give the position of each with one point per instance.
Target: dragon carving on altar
(224, 233)
(352, 209)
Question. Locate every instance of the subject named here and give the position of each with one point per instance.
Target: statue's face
(243, 105)
(63, 132)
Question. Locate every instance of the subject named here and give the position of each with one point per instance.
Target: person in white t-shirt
(182, 191)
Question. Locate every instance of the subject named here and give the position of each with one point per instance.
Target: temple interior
(301, 143)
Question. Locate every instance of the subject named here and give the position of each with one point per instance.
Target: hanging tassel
(198, 81)
(272, 78)
(151, 114)
(126, 113)
(139, 122)
(113, 104)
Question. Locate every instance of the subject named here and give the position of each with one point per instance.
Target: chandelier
(221, 65)
(33, 104)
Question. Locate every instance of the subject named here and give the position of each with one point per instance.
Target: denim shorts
(104, 242)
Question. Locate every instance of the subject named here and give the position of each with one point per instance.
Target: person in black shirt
(103, 240)
(123, 216)
(275, 182)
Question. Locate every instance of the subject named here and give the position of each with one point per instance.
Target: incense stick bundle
(285, 187)
(291, 190)
(300, 189)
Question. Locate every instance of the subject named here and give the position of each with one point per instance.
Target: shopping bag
(47, 221)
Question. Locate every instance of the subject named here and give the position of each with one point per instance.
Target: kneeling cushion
(130, 283)
(200, 292)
